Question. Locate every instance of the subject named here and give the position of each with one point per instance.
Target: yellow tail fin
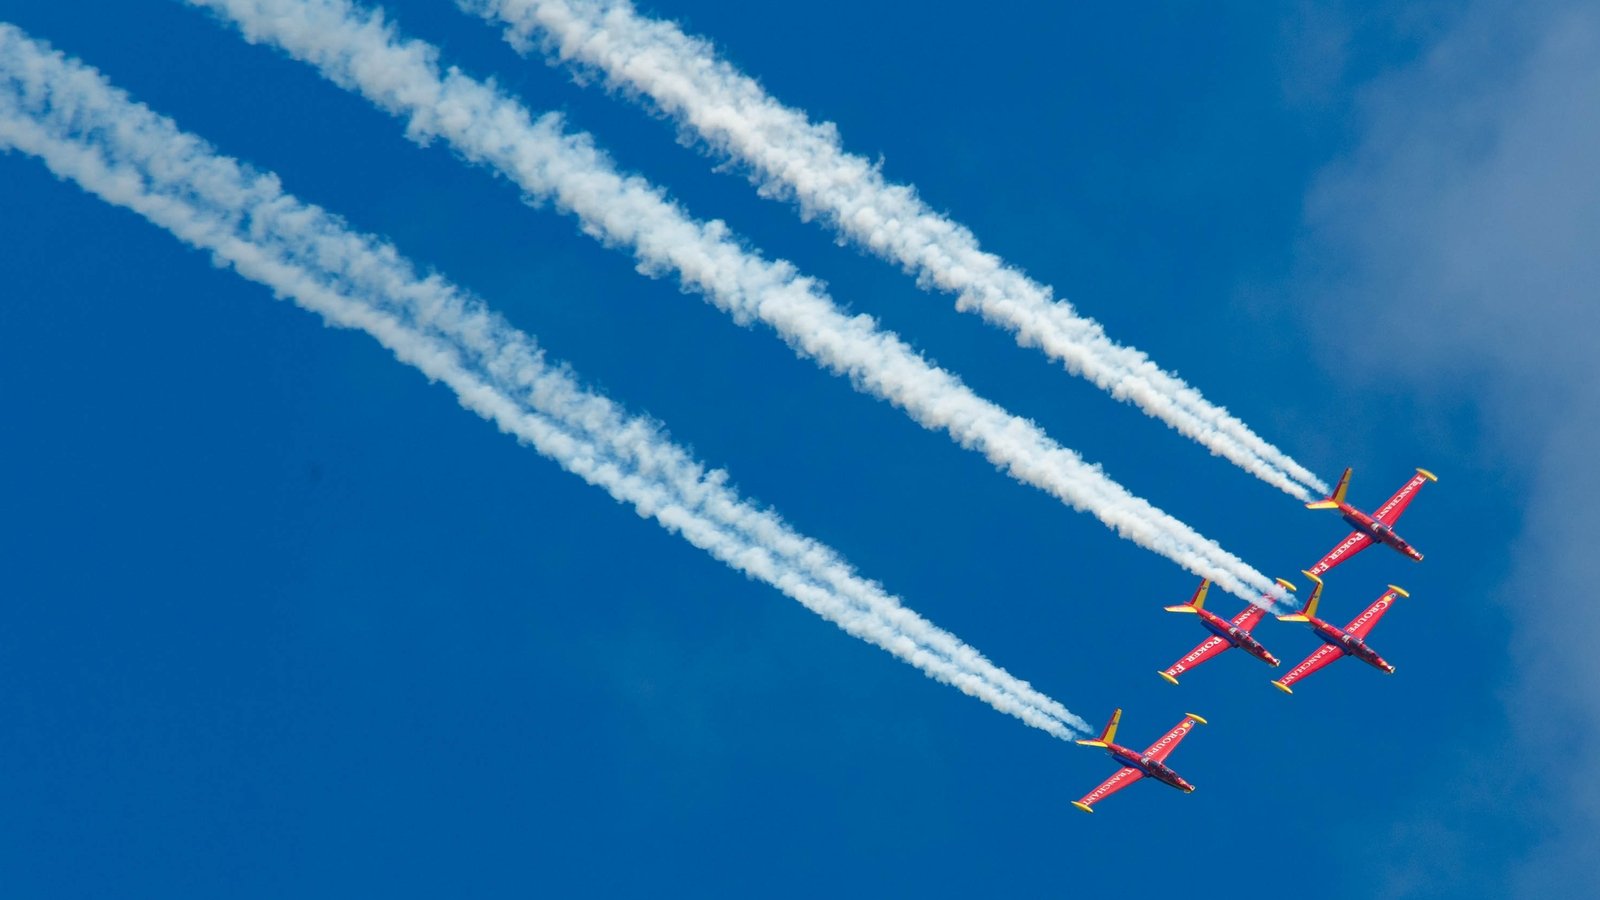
(1337, 497)
(1110, 733)
(1310, 610)
(1196, 602)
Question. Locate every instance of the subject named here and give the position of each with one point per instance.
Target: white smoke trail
(791, 157)
(362, 52)
(91, 133)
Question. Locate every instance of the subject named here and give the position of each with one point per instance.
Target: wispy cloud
(89, 132)
(1457, 247)
(792, 157)
(363, 52)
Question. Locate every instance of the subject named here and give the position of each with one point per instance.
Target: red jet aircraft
(1348, 641)
(1136, 766)
(1378, 527)
(1225, 634)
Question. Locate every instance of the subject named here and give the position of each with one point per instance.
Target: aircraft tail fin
(1107, 735)
(1196, 602)
(1337, 497)
(1310, 610)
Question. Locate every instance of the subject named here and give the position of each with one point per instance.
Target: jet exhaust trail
(364, 53)
(793, 158)
(89, 132)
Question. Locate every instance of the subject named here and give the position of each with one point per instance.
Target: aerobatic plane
(1137, 765)
(1350, 640)
(1225, 633)
(1377, 527)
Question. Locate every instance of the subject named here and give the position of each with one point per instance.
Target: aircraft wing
(1389, 513)
(1208, 648)
(1350, 546)
(1319, 657)
(1249, 618)
(1361, 625)
(1163, 748)
(1124, 776)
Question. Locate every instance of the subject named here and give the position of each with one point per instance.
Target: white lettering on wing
(1407, 491)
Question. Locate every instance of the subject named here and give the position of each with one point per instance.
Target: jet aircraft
(1225, 633)
(1136, 765)
(1377, 527)
(1337, 642)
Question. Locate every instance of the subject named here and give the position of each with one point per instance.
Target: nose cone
(1273, 661)
(1389, 669)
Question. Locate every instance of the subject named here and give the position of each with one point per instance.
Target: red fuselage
(1350, 644)
(1236, 636)
(1376, 530)
(1154, 768)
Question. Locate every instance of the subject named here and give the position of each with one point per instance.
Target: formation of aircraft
(1337, 643)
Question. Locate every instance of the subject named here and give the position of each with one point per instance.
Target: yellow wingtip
(1197, 718)
(1428, 475)
(1284, 582)
(1399, 590)
(1082, 805)
(1168, 677)
(1181, 609)
(1092, 743)
(1311, 575)
(1282, 687)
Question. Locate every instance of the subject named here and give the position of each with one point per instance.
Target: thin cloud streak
(91, 133)
(1453, 249)
(362, 52)
(793, 158)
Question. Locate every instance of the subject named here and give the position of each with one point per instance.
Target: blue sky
(283, 619)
